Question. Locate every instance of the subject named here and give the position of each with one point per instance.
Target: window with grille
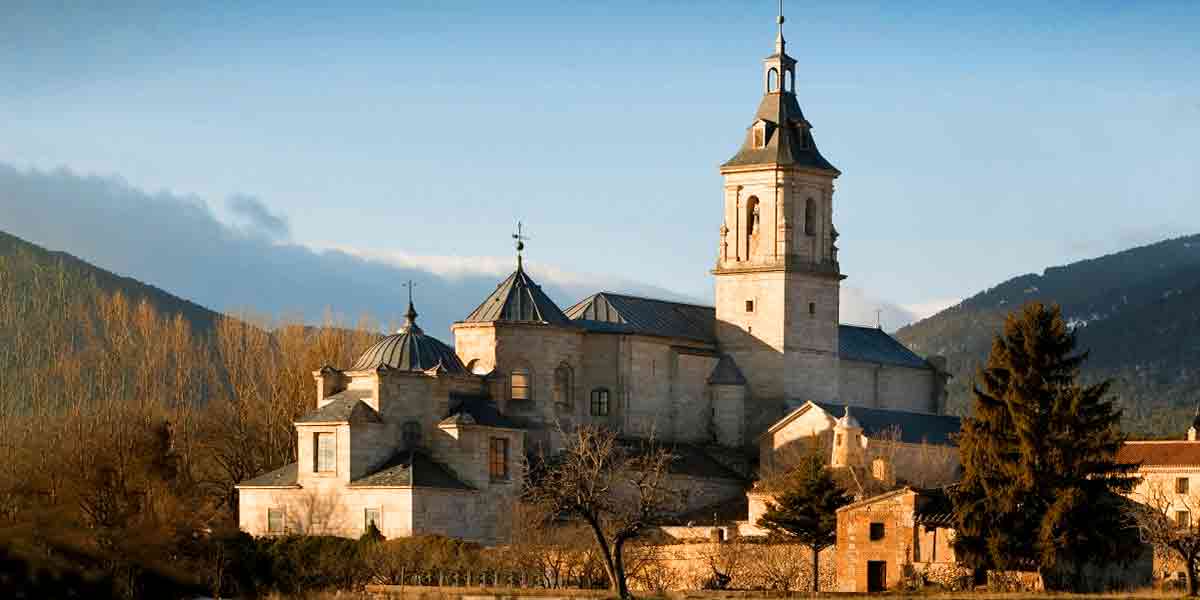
(498, 459)
(371, 517)
(519, 382)
(600, 402)
(326, 452)
(1181, 485)
(275, 520)
(876, 532)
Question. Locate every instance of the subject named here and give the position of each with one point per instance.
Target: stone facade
(884, 539)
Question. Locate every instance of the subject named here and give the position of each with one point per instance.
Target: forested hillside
(1137, 312)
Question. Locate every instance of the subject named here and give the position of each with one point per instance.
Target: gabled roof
(482, 411)
(518, 299)
(912, 427)
(786, 130)
(412, 469)
(284, 476)
(871, 344)
(1164, 453)
(726, 372)
(343, 408)
(609, 312)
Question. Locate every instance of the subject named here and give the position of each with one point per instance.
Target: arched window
(772, 80)
(563, 384)
(476, 367)
(751, 215)
(789, 82)
(410, 434)
(518, 382)
(810, 217)
(600, 402)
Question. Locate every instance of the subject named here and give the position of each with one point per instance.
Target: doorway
(876, 576)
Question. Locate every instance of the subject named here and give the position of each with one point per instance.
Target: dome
(409, 349)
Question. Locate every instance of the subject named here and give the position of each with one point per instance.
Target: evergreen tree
(806, 506)
(1041, 482)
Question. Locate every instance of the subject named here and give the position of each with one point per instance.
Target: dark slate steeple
(780, 134)
(519, 299)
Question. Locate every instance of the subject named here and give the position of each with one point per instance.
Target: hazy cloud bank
(177, 243)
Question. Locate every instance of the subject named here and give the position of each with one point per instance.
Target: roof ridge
(636, 297)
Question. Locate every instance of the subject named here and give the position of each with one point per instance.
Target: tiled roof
(785, 143)
(282, 477)
(870, 344)
(1169, 453)
(913, 428)
(482, 411)
(618, 313)
(726, 372)
(344, 408)
(412, 469)
(518, 299)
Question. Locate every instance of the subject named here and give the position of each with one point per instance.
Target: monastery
(421, 437)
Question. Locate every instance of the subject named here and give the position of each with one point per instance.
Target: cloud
(258, 219)
(176, 242)
(1125, 238)
(924, 310)
(858, 307)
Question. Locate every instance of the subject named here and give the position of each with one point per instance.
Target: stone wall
(889, 386)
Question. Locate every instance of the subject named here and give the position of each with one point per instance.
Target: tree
(805, 510)
(1165, 521)
(618, 488)
(1040, 477)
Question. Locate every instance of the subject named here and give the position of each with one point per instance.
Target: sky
(977, 141)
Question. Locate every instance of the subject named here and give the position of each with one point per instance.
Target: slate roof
(618, 313)
(409, 349)
(871, 344)
(725, 512)
(518, 299)
(284, 476)
(786, 130)
(914, 428)
(412, 469)
(726, 372)
(482, 411)
(693, 461)
(344, 408)
(1167, 453)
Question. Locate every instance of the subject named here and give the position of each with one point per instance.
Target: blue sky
(977, 141)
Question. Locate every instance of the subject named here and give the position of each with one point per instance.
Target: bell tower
(777, 274)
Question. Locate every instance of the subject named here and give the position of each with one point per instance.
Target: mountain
(1136, 312)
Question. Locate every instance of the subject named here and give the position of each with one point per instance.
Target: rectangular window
(876, 532)
(275, 520)
(812, 308)
(749, 306)
(520, 385)
(371, 517)
(1181, 485)
(325, 453)
(599, 403)
(498, 459)
(1183, 518)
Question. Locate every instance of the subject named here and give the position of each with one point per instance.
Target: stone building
(884, 539)
(417, 433)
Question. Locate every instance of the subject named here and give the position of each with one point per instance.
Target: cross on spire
(520, 237)
(410, 317)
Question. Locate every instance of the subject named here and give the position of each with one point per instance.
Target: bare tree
(1168, 521)
(618, 489)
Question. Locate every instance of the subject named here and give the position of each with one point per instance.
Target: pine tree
(1041, 482)
(805, 510)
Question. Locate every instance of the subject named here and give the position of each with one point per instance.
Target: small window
(749, 306)
(876, 532)
(563, 383)
(371, 517)
(410, 434)
(326, 452)
(812, 308)
(275, 520)
(1181, 485)
(498, 459)
(810, 217)
(760, 135)
(519, 382)
(1183, 518)
(600, 403)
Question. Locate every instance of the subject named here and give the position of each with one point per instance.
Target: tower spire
(520, 237)
(410, 316)
(779, 41)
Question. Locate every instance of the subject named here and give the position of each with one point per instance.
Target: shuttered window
(520, 384)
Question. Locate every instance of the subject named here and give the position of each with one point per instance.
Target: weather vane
(520, 237)
(410, 284)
